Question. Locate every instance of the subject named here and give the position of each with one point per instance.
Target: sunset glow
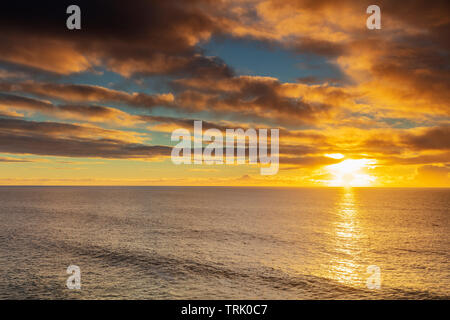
(98, 105)
(351, 173)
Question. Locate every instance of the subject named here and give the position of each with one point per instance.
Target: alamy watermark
(191, 149)
(74, 280)
(374, 20)
(374, 279)
(73, 22)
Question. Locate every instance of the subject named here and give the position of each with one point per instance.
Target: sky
(97, 106)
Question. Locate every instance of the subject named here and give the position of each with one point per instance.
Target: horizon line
(236, 186)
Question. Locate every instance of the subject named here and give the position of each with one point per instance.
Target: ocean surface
(224, 243)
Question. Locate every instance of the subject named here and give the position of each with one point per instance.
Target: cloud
(244, 96)
(14, 160)
(433, 176)
(88, 93)
(143, 36)
(390, 102)
(437, 138)
(69, 140)
(258, 97)
(415, 160)
(397, 141)
(400, 69)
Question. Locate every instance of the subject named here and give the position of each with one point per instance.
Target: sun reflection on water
(344, 267)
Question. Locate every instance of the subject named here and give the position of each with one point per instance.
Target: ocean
(224, 242)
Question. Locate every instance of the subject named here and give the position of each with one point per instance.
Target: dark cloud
(246, 97)
(249, 97)
(141, 36)
(320, 47)
(68, 140)
(88, 93)
(399, 142)
(10, 100)
(93, 113)
(437, 138)
(422, 159)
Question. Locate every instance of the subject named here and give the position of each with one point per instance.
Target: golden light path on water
(344, 266)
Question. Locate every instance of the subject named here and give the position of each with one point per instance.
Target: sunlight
(345, 267)
(350, 173)
(334, 155)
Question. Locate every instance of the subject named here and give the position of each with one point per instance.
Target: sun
(351, 173)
